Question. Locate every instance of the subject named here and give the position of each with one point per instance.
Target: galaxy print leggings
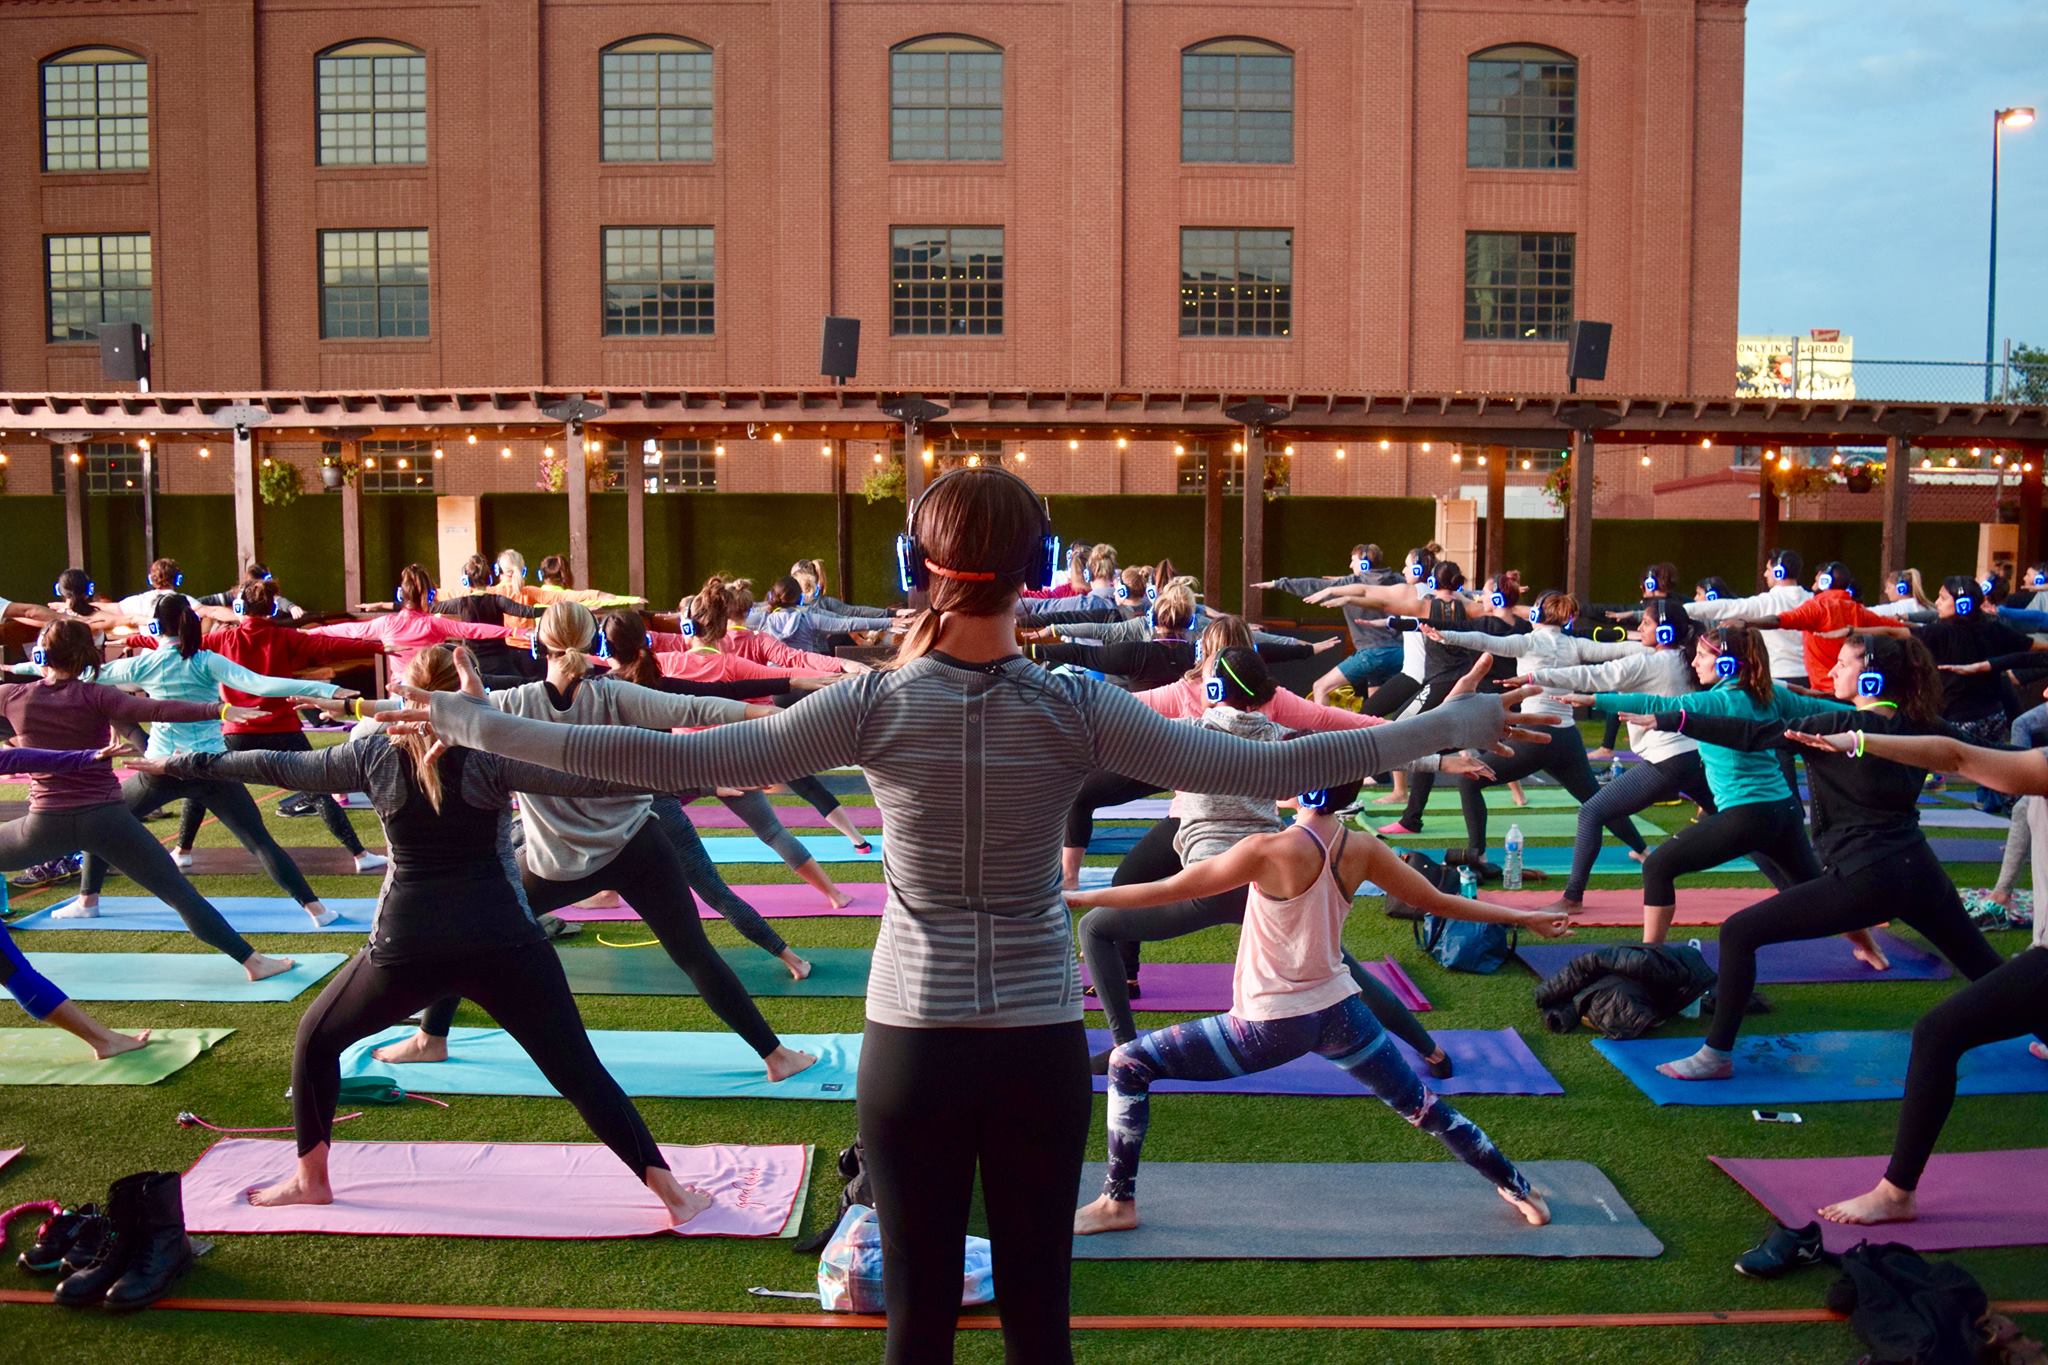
(1223, 1045)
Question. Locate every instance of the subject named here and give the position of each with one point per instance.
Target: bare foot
(785, 1062)
(2003, 898)
(1638, 857)
(798, 968)
(1532, 1206)
(1388, 798)
(1869, 954)
(1564, 906)
(258, 966)
(421, 1047)
(1885, 1204)
(685, 1203)
(114, 1044)
(1600, 755)
(1105, 1215)
(2038, 1051)
(296, 1188)
(839, 899)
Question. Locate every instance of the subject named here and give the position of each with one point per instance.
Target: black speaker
(124, 351)
(841, 353)
(1588, 342)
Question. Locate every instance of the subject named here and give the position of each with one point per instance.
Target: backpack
(859, 1190)
(1465, 946)
(1443, 878)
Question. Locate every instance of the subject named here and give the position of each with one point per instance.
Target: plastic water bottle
(1468, 882)
(1692, 1006)
(1613, 771)
(1511, 865)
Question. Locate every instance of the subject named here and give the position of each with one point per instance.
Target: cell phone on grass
(1775, 1116)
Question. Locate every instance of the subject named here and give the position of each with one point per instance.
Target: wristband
(359, 708)
(224, 710)
(1859, 744)
(1681, 721)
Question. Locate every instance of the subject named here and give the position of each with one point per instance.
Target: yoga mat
(210, 977)
(246, 914)
(1968, 850)
(1536, 824)
(1345, 1211)
(1204, 987)
(1962, 817)
(794, 817)
(50, 1056)
(8, 1154)
(485, 1061)
(550, 1190)
(1791, 1069)
(1443, 800)
(774, 900)
(728, 850)
(1486, 1061)
(320, 860)
(648, 971)
(1965, 1199)
(1613, 860)
(1809, 960)
(1624, 909)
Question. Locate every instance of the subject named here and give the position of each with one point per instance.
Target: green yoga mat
(1441, 826)
(648, 971)
(50, 1056)
(209, 977)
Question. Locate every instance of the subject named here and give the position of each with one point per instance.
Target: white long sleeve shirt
(1786, 647)
(1661, 672)
(1546, 647)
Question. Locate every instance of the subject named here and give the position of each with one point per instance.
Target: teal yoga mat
(245, 914)
(207, 977)
(648, 971)
(1536, 824)
(696, 1066)
(729, 849)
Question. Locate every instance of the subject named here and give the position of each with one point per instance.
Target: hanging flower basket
(1557, 486)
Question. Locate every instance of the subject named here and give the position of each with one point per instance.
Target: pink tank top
(1290, 957)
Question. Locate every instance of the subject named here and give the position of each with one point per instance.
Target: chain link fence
(1900, 381)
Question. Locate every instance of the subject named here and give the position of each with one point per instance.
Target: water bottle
(1692, 1006)
(1468, 882)
(1511, 865)
(1613, 771)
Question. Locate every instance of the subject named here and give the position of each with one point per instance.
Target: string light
(1180, 450)
(75, 459)
(404, 463)
(3, 459)
(928, 455)
(1836, 461)
(1237, 447)
(974, 461)
(2027, 468)
(1288, 451)
(205, 454)
(825, 449)
(370, 463)
(504, 452)
(718, 450)
(548, 452)
(1386, 445)
(1073, 444)
(878, 457)
(472, 438)
(1646, 461)
(1340, 452)
(1482, 462)
(776, 437)
(1457, 456)
(1526, 463)
(1974, 452)
(1021, 456)
(1706, 443)
(439, 453)
(1951, 462)
(1926, 463)
(1122, 444)
(1425, 447)
(142, 443)
(266, 462)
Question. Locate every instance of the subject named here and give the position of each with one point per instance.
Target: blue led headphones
(1713, 594)
(604, 646)
(179, 580)
(1212, 690)
(1151, 618)
(1727, 665)
(1667, 634)
(1778, 574)
(39, 656)
(1123, 592)
(1870, 683)
(156, 627)
(689, 629)
(1498, 598)
(241, 607)
(1314, 800)
(2037, 579)
(1416, 570)
(1824, 580)
(1649, 582)
(1151, 592)
(914, 570)
(398, 594)
(1902, 587)
(1990, 584)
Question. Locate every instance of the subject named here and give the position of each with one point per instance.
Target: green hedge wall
(759, 534)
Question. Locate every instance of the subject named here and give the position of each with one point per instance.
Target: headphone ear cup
(910, 574)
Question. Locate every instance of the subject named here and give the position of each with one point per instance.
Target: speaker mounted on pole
(1587, 344)
(124, 352)
(839, 357)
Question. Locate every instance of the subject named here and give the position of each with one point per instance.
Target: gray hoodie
(1210, 825)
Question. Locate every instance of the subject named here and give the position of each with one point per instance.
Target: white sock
(76, 910)
(368, 862)
(1709, 1063)
(321, 918)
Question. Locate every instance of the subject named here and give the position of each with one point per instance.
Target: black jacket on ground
(1624, 989)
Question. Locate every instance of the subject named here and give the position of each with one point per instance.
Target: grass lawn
(79, 1138)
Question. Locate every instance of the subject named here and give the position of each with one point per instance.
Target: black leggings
(111, 832)
(1100, 789)
(1771, 832)
(236, 809)
(1564, 758)
(290, 742)
(2004, 1003)
(647, 872)
(814, 793)
(1638, 788)
(935, 1103)
(1420, 785)
(1390, 696)
(1612, 733)
(521, 987)
(1911, 885)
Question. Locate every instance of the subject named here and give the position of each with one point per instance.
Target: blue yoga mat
(1968, 850)
(1818, 959)
(1817, 1068)
(208, 977)
(246, 914)
(1612, 860)
(1486, 1061)
(727, 849)
(697, 1066)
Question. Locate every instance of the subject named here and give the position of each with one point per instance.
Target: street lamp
(2000, 121)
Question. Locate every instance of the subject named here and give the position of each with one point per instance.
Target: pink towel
(498, 1189)
(782, 900)
(8, 1154)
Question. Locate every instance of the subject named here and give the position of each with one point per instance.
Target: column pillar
(1496, 560)
(577, 486)
(1252, 558)
(1213, 473)
(1578, 577)
(248, 518)
(1898, 499)
(636, 517)
(352, 526)
(842, 521)
(74, 504)
(1766, 519)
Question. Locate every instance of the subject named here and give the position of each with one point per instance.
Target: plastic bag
(850, 1271)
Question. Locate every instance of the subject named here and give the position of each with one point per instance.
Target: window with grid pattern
(108, 466)
(1518, 286)
(954, 453)
(373, 283)
(1237, 102)
(946, 281)
(1192, 476)
(658, 282)
(96, 111)
(1521, 110)
(97, 279)
(1236, 282)
(654, 97)
(372, 105)
(394, 466)
(674, 466)
(946, 100)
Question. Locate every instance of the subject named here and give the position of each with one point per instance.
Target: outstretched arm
(1384, 868)
(1240, 866)
(2016, 772)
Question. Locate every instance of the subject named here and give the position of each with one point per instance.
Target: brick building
(1376, 195)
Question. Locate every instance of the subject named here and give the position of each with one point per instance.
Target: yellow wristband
(359, 708)
(224, 710)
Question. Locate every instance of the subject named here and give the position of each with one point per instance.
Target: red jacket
(263, 646)
(1830, 610)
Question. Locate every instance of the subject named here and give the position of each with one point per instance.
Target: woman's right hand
(1546, 923)
(148, 767)
(1981, 666)
(242, 715)
(1842, 742)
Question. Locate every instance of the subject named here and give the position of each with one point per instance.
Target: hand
(1079, 900)
(1430, 632)
(1546, 924)
(1267, 584)
(1320, 597)
(346, 694)
(1637, 719)
(1981, 666)
(465, 669)
(120, 748)
(326, 706)
(854, 666)
(813, 682)
(410, 695)
(1325, 646)
(1840, 633)
(1519, 680)
(242, 715)
(1574, 699)
(148, 767)
(1842, 743)
(1469, 765)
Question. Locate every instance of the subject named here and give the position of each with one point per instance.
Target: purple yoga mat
(1965, 1199)
(775, 901)
(1807, 960)
(1204, 987)
(1488, 1062)
(794, 817)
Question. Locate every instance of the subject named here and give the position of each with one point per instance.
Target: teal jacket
(1737, 777)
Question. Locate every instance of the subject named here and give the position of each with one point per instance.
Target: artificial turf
(79, 1139)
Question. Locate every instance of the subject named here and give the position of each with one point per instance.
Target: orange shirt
(1830, 610)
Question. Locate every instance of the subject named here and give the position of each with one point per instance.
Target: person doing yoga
(83, 809)
(448, 919)
(34, 992)
(974, 754)
(412, 626)
(1755, 810)
(1292, 993)
(1866, 828)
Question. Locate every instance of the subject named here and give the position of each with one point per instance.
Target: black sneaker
(55, 872)
(54, 1238)
(298, 803)
(1784, 1250)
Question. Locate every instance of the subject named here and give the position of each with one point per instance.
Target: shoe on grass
(1785, 1250)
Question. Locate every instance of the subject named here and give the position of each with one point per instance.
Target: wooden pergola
(1204, 420)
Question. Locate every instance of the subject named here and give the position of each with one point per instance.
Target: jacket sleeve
(1104, 631)
(653, 710)
(1650, 704)
(336, 768)
(1297, 712)
(17, 760)
(314, 651)
(113, 704)
(368, 628)
(1732, 608)
(225, 672)
(1482, 642)
(1287, 651)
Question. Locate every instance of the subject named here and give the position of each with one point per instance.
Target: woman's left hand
(148, 767)
(120, 748)
(1840, 743)
(1467, 765)
(1325, 646)
(1637, 719)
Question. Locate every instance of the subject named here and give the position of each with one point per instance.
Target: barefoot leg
(103, 1041)
(258, 966)
(684, 1201)
(1105, 1215)
(1886, 1203)
(1863, 943)
(421, 1047)
(785, 1062)
(798, 968)
(1532, 1206)
(1657, 922)
(815, 875)
(307, 1185)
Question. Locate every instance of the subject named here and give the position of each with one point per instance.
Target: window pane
(659, 281)
(1521, 114)
(97, 279)
(655, 106)
(945, 106)
(1518, 286)
(395, 466)
(673, 466)
(374, 283)
(96, 115)
(372, 110)
(1237, 107)
(946, 281)
(1236, 282)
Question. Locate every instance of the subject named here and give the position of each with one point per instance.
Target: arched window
(373, 104)
(1237, 102)
(946, 100)
(655, 97)
(95, 111)
(1522, 109)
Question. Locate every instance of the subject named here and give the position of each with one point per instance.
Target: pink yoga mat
(8, 1154)
(1965, 1199)
(548, 1190)
(1624, 909)
(781, 900)
(794, 817)
(1204, 987)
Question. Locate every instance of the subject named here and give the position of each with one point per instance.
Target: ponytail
(566, 632)
(710, 610)
(416, 590)
(176, 625)
(625, 640)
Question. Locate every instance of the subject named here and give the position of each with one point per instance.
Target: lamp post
(2001, 120)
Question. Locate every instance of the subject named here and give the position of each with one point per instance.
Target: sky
(1866, 183)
